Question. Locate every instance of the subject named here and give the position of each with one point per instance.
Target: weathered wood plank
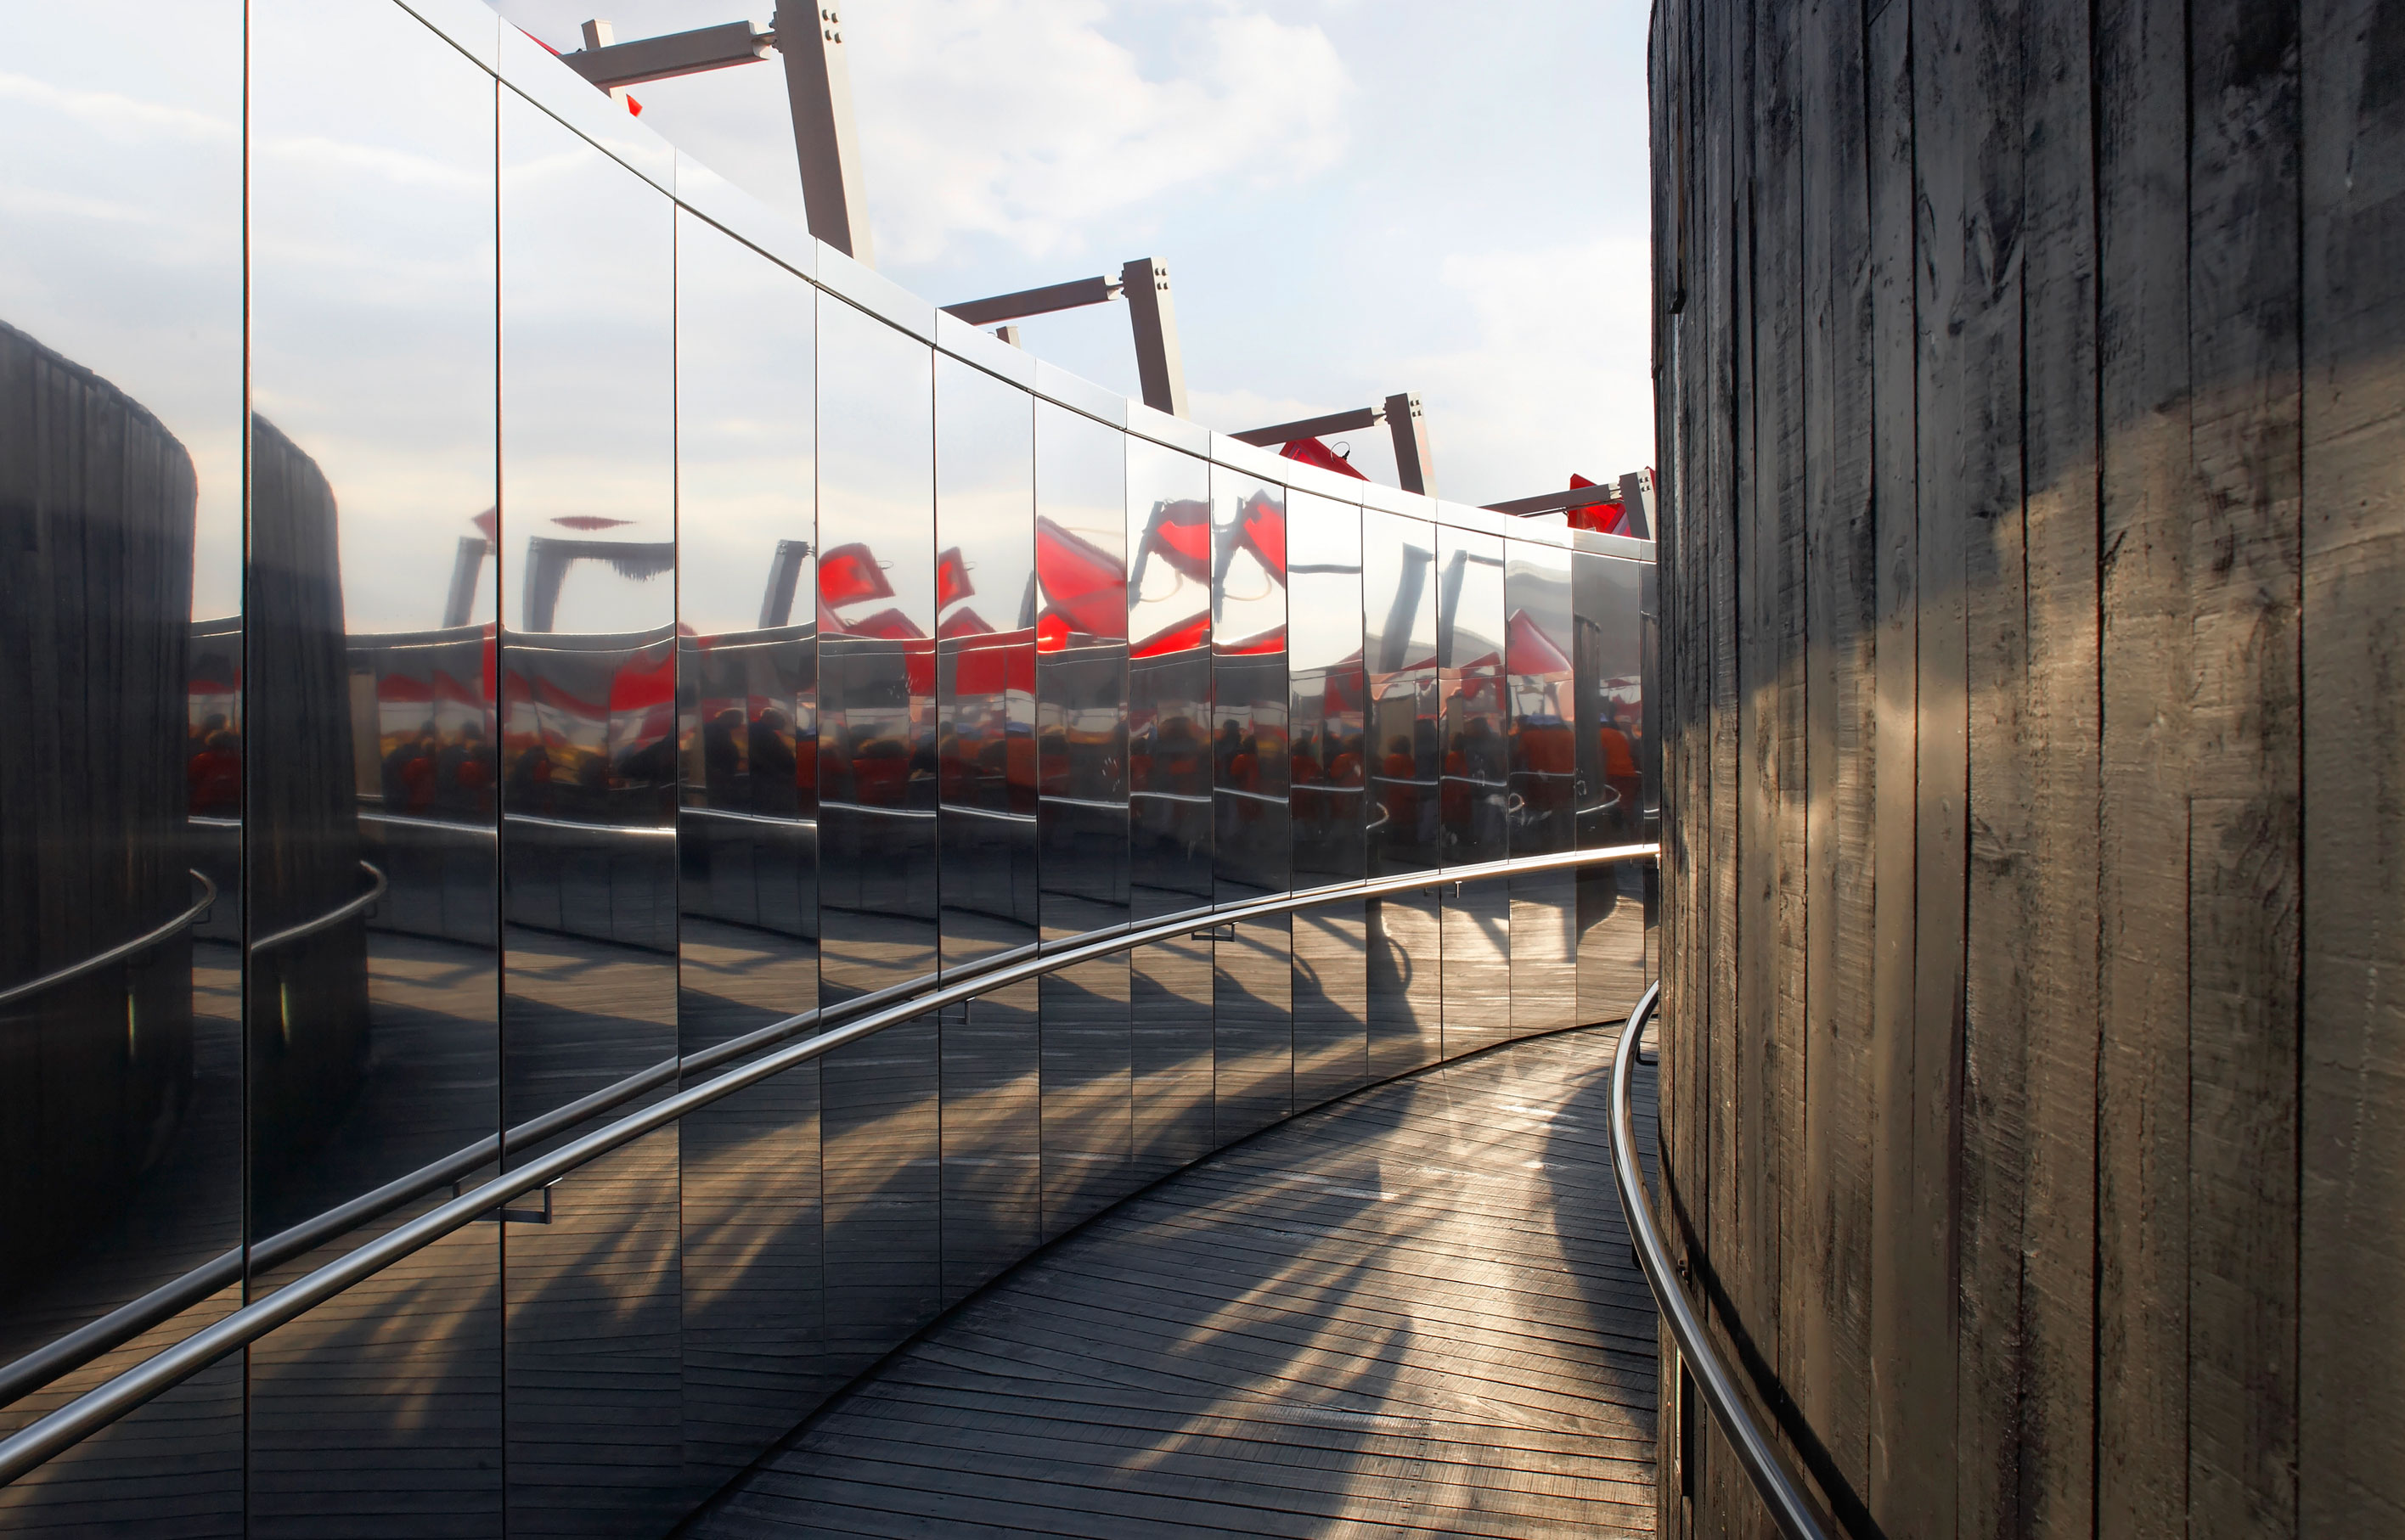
(1830, 1324)
(2246, 777)
(2142, 1073)
(2351, 1351)
(1244, 1350)
(2053, 1421)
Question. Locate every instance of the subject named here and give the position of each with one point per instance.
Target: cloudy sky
(1353, 198)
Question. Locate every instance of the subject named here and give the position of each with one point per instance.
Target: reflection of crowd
(1620, 767)
(213, 768)
(757, 766)
(585, 786)
(428, 774)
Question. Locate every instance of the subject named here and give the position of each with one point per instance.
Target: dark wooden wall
(2031, 383)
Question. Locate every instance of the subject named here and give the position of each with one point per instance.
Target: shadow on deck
(1413, 1312)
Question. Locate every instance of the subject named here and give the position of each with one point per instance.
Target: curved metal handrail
(1778, 1491)
(331, 917)
(40, 1441)
(141, 942)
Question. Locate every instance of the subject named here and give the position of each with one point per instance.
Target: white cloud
(1559, 378)
(1024, 120)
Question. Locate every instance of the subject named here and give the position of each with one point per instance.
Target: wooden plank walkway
(1411, 1312)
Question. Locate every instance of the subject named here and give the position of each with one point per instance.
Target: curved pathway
(1411, 1312)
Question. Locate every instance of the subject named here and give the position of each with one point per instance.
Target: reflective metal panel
(1332, 1003)
(1398, 616)
(1169, 795)
(1539, 641)
(1326, 686)
(876, 822)
(1609, 685)
(1475, 785)
(985, 688)
(587, 674)
(747, 838)
(1249, 740)
(1081, 678)
(120, 610)
(374, 1041)
(1252, 1008)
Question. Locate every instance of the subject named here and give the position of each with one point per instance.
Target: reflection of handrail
(141, 942)
(1771, 1482)
(638, 831)
(96, 1409)
(331, 917)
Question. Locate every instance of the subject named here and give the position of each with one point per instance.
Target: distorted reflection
(1399, 643)
(120, 610)
(1541, 690)
(881, 1139)
(1170, 774)
(587, 702)
(985, 629)
(1326, 796)
(1610, 748)
(747, 838)
(1082, 504)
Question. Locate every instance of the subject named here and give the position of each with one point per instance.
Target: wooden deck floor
(1411, 1312)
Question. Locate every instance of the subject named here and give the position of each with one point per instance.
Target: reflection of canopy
(1528, 651)
(1183, 637)
(1270, 640)
(951, 579)
(1312, 451)
(1263, 523)
(548, 560)
(993, 663)
(1179, 533)
(850, 573)
(1084, 587)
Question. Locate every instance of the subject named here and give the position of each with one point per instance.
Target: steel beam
(1556, 502)
(1159, 366)
(1314, 427)
(1637, 502)
(1414, 459)
(615, 66)
(817, 84)
(1035, 301)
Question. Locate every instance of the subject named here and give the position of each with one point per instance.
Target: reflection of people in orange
(213, 769)
(772, 757)
(1401, 797)
(1620, 770)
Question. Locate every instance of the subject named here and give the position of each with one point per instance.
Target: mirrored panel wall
(1328, 793)
(986, 786)
(1171, 768)
(1082, 808)
(1252, 960)
(877, 774)
(121, 438)
(1613, 909)
(753, 1313)
(648, 651)
(374, 875)
(1399, 645)
(587, 672)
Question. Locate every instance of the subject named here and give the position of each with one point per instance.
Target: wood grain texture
(1413, 1312)
(2030, 378)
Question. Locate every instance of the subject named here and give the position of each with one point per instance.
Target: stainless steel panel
(1170, 801)
(587, 668)
(120, 610)
(1474, 788)
(1332, 1003)
(752, 1313)
(985, 594)
(1406, 993)
(1170, 751)
(1325, 690)
(1252, 1030)
(374, 1041)
(1611, 751)
(1249, 740)
(1539, 645)
(1081, 690)
(1399, 624)
(1398, 612)
(877, 825)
